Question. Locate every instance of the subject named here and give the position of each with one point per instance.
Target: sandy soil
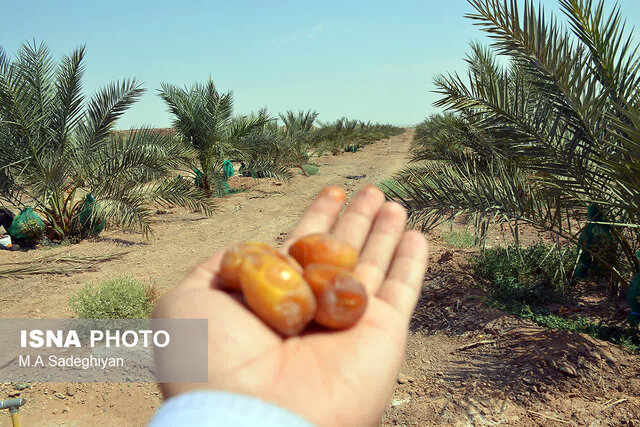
(521, 375)
(468, 364)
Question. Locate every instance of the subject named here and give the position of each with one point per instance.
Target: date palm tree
(298, 129)
(204, 119)
(267, 151)
(550, 133)
(58, 151)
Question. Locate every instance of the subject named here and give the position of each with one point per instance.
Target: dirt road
(263, 212)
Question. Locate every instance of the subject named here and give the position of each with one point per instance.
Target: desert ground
(466, 363)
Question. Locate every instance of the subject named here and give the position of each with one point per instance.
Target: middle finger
(376, 255)
(355, 224)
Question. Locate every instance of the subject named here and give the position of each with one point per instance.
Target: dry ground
(521, 375)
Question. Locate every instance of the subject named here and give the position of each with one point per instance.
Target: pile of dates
(314, 282)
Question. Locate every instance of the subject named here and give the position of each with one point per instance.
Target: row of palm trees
(58, 149)
(539, 135)
(59, 152)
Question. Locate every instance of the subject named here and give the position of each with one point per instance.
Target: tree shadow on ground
(123, 242)
(518, 358)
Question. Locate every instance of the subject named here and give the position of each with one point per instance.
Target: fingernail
(333, 192)
(370, 189)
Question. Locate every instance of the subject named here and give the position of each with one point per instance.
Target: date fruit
(235, 255)
(324, 249)
(276, 292)
(340, 296)
(287, 296)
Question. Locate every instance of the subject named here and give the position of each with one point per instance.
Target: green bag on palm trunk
(27, 226)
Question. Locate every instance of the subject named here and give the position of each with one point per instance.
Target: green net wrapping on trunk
(219, 181)
(221, 187)
(27, 227)
(633, 297)
(198, 177)
(89, 224)
(227, 169)
(598, 239)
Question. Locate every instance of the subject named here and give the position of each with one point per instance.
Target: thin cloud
(315, 31)
(310, 34)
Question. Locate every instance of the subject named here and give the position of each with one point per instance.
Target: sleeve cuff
(200, 408)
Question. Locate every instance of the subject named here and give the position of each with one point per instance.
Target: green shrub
(526, 275)
(310, 169)
(520, 282)
(117, 298)
(460, 239)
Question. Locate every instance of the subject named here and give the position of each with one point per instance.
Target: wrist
(224, 409)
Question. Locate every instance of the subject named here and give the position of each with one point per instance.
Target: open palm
(328, 377)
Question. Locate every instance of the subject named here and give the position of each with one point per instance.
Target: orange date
(277, 293)
(235, 255)
(324, 249)
(340, 296)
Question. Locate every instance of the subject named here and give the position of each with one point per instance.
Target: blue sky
(370, 60)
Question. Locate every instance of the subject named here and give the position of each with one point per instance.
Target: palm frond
(182, 193)
(613, 58)
(125, 207)
(69, 98)
(105, 107)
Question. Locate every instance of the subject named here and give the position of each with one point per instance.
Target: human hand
(331, 378)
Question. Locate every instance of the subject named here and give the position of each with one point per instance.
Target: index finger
(402, 285)
(320, 216)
